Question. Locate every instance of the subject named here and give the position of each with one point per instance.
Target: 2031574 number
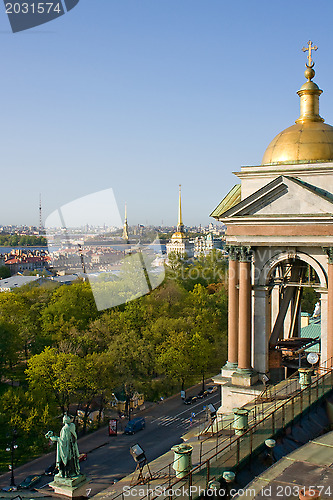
(33, 8)
(288, 491)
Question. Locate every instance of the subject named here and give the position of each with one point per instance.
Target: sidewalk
(86, 444)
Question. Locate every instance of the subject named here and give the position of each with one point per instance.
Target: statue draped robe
(67, 459)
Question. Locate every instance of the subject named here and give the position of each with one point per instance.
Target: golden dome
(310, 140)
(178, 235)
(301, 143)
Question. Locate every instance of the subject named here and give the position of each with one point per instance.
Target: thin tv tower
(41, 229)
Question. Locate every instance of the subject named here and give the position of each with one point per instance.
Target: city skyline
(140, 97)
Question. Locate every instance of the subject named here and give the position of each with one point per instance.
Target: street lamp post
(11, 448)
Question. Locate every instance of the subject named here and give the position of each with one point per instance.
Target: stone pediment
(284, 196)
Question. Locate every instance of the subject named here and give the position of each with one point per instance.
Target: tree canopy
(66, 353)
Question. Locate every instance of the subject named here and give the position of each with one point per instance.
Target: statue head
(66, 419)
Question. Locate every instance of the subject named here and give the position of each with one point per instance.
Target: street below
(110, 461)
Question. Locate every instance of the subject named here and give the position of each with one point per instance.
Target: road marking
(167, 420)
(201, 401)
(179, 421)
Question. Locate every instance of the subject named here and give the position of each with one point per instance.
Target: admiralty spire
(179, 243)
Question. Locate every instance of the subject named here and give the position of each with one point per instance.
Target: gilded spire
(180, 225)
(309, 92)
(125, 229)
(309, 140)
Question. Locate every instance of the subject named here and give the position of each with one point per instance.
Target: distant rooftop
(312, 331)
(16, 281)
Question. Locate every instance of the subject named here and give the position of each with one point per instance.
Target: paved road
(166, 422)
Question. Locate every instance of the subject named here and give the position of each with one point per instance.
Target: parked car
(203, 393)
(51, 470)
(82, 457)
(135, 425)
(211, 388)
(8, 489)
(29, 482)
(190, 400)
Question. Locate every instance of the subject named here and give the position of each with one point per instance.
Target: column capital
(232, 251)
(245, 253)
(329, 252)
(242, 253)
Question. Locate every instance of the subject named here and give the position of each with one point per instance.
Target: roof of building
(312, 331)
(326, 195)
(17, 281)
(311, 464)
(24, 260)
(229, 201)
(67, 278)
(178, 236)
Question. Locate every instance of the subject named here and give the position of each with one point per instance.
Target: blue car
(135, 425)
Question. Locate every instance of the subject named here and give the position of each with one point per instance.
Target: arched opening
(294, 318)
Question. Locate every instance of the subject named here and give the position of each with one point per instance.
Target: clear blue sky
(141, 95)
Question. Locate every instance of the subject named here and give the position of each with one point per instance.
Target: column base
(237, 396)
(228, 369)
(245, 377)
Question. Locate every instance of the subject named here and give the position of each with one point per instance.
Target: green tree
(70, 306)
(97, 381)
(309, 299)
(176, 267)
(9, 343)
(131, 355)
(4, 272)
(55, 377)
(29, 418)
(15, 315)
(202, 351)
(175, 358)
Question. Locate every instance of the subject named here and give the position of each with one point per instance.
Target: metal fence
(279, 407)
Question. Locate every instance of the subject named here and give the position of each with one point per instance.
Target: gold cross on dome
(309, 49)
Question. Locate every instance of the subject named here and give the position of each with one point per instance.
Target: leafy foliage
(76, 356)
(309, 299)
(14, 240)
(4, 272)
